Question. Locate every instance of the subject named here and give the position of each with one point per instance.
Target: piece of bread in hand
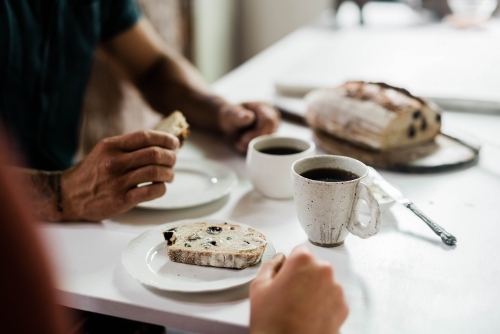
(373, 115)
(217, 245)
(176, 125)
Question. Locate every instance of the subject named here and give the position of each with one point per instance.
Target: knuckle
(152, 172)
(110, 164)
(255, 286)
(172, 158)
(121, 201)
(326, 270)
(340, 291)
(104, 144)
(142, 135)
(154, 154)
(301, 256)
(344, 311)
(170, 176)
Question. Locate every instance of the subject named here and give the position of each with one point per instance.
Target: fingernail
(243, 115)
(304, 248)
(177, 143)
(279, 255)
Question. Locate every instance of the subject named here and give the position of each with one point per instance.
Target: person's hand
(105, 182)
(245, 121)
(296, 295)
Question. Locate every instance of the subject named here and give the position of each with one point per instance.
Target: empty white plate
(196, 182)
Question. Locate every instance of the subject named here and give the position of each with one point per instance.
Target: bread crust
(375, 116)
(176, 125)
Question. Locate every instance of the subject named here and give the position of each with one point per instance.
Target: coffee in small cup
(269, 161)
(281, 150)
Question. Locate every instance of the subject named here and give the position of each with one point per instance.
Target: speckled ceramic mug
(327, 210)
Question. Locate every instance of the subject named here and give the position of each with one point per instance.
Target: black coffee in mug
(329, 175)
(278, 150)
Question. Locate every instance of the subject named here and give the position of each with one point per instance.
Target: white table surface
(404, 280)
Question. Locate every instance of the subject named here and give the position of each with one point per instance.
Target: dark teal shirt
(46, 52)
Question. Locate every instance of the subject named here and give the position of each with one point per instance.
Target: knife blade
(398, 196)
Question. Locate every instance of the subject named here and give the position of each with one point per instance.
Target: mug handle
(354, 226)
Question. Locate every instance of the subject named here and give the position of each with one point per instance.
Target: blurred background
(228, 32)
(445, 50)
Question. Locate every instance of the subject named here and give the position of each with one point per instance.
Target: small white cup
(270, 173)
(327, 210)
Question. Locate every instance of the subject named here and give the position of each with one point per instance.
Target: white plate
(146, 259)
(196, 182)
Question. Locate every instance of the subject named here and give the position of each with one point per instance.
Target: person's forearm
(174, 84)
(44, 191)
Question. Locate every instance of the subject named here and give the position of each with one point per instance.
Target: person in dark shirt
(46, 52)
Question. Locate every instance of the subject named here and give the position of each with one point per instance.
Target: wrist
(65, 203)
(219, 106)
(56, 211)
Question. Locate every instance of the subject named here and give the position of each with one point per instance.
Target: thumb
(271, 268)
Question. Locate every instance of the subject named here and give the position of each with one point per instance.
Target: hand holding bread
(105, 183)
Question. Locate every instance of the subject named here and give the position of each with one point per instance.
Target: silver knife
(395, 194)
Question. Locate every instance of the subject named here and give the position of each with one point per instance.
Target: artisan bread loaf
(373, 115)
(176, 125)
(217, 245)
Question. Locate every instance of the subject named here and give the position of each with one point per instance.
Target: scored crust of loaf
(244, 248)
(176, 125)
(373, 115)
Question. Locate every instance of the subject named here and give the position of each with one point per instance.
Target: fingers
(235, 117)
(271, 268)
(154, 155)
(144, 138)
(301, 258)
(151, 173)
(267, 121)
(145, 193)
(301, 254)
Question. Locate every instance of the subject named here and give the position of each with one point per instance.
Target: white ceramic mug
(327, 210)
(270, 173)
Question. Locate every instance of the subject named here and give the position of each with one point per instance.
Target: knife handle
(447, 238)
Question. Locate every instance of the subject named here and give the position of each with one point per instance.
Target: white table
(404, 280)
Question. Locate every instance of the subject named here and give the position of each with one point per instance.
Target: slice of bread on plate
(176, 125)
(217, 245)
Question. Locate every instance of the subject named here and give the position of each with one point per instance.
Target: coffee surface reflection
(280, 150)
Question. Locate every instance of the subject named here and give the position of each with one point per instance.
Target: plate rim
(210, 199)
(270, 247)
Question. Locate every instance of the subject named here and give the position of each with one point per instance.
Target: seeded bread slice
(217, 245)
(175, 124)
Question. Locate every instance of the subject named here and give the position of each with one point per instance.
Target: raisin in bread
(217, 245)
(373, 115)
(176, 125)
